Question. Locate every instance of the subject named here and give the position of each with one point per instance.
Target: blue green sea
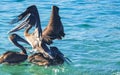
(92, 40)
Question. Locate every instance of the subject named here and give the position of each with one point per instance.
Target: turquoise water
(92, 38)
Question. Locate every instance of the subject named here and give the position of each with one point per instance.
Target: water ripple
(91, 42)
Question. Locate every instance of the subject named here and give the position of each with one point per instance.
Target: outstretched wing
(54, 29)
(30, 17)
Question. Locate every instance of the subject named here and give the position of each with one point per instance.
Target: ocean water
(92, 40)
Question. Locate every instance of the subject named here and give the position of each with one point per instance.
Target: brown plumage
(33, 38)
(39, 59)
(54, 29)
(11, 57)
(59, 57)
(39, 39)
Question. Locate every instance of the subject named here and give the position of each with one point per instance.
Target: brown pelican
(54, 30)
(11, 57)
(39, 59)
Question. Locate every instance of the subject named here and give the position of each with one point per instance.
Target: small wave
(86, 26)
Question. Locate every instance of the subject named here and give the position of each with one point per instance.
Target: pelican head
(30, 17)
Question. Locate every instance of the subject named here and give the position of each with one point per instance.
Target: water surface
(92, 38)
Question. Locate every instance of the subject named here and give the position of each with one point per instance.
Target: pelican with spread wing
(39, 39)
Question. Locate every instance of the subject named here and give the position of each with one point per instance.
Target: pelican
(11, 57)
(54, 29)
(39, 39)
(39, 59)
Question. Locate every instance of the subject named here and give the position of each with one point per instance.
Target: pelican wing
(30, 17)
(55, 29)
(31, 20)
